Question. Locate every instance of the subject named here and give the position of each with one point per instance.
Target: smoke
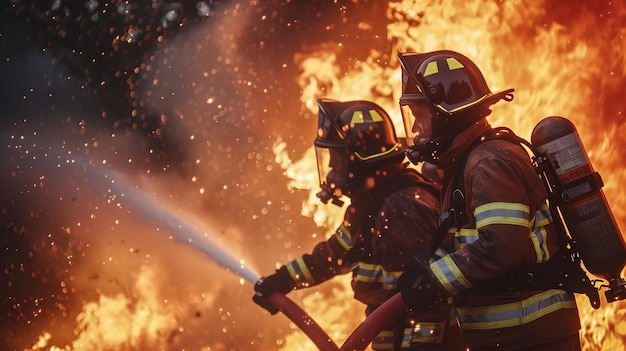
(101, 221)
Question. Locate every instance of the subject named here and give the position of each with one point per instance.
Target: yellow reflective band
(453, 63)
(393, 275)
(449, 275)
(513, 206)
(386, 152)
(299, 272)
(376, 117)
(515, 314)
(383, 341)
(543, 216)
(540, 244)
(502, 213)
(431, 68)
(465, 236)
(369, 273)
(358, 117)
(464, 106)
(344, 237)
(428, 332)
(390, 279)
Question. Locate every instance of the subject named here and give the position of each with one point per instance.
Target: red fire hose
(303, 321)
(374, 323)
(360, 338)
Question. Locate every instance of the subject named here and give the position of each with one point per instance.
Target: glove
(279, 282)
(419, 288)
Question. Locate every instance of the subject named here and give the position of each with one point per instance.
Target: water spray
(186, 229)
(182, 228)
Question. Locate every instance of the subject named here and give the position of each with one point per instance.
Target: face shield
(332, 169)
(417, 117)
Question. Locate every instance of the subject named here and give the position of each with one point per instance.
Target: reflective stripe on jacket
(507, 226)
(401, 230)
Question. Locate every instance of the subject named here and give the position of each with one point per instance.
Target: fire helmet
(354, 138)
(443, 93)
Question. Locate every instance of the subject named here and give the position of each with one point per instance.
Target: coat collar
(462, 141)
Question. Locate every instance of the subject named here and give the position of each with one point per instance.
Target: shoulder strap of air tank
(538, 159)
(563, 271)
(404, 179)
(455, 215)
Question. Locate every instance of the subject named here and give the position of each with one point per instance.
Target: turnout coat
(383, 230)
(507, 225)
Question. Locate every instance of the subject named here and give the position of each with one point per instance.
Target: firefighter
(392, 214)
(499, 254)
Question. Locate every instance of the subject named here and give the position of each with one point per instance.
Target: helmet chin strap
(445, 128)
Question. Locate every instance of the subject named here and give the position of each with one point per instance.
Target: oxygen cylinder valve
(616, 290)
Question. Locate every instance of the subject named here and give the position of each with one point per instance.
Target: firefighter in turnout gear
(500, 242)
(392, 214)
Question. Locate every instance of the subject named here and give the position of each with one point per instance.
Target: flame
(567, 68)
(564, 58)
(139, 320)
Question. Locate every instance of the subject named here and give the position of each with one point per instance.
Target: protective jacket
(383, 230)
(506, 225)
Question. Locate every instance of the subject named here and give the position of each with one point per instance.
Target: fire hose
(303, 321)
(360, 338)
(374, 323)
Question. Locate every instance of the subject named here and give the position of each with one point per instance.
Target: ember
(217, 127)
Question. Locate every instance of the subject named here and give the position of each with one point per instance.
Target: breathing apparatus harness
(562, 271)
(367, 207)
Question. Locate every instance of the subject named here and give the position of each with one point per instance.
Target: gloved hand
(419, 288)
(279, 282)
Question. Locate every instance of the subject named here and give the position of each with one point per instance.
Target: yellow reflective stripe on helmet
(478, 101)
(502, 213)
(386, 152)
(300, 273)
(359, 117)
(449, 275)
(453, 63)
(431, 68)
(515, 314)
(344, 237)
(376, 117)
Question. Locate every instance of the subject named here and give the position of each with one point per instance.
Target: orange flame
(556, 69)
(566, 59)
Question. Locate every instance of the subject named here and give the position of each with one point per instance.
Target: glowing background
(218, 132)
